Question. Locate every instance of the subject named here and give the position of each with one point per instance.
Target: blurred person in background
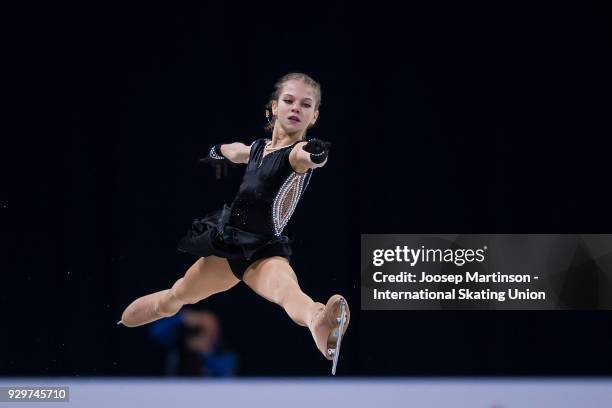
(194, 345)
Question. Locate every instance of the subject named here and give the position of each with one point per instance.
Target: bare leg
(204, 278)
(274, 279)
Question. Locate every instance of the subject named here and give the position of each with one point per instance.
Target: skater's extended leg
(204, 278)
(274, 279)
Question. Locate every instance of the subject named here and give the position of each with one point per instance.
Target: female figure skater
(244, 241)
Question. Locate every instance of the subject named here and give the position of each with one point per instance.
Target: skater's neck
(280, 138)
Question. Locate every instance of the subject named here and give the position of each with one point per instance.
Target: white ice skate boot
(328, 326)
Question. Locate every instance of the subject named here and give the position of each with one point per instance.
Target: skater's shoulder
(260, 141)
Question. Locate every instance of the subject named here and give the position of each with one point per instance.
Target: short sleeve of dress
(253, 147)
(286, 155)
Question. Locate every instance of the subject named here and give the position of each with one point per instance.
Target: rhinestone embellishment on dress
(287, 198)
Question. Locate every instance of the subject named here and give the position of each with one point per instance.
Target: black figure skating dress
(251, 228)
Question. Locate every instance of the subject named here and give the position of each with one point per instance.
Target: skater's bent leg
(204, 278)
(274, 279)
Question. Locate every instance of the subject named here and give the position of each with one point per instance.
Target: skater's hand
(318, 149)
(309, 155)
(217, 160)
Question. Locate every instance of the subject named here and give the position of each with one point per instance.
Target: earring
(268, 117)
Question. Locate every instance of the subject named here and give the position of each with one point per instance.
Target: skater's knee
(171, 303)
(279, 280)
(166, 309)
(180, 293)
(282, 289)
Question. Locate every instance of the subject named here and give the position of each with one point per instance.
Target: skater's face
(295, 109)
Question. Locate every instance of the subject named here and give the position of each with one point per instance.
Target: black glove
(318, 149)
(216, 159)
(214, 156)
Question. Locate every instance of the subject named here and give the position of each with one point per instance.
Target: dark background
(444, 119)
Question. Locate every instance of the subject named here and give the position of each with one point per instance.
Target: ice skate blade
(335, 338)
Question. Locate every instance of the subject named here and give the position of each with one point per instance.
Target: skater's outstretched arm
(233, 152)
(309, 155)
(221, 154)
(236, 152)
